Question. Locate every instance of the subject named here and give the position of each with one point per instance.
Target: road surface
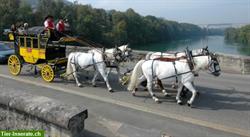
(222, 109)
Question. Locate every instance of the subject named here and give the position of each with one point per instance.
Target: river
(214, 43)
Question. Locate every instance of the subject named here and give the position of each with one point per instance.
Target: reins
(90, 44)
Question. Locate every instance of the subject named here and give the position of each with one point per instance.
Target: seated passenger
(60, 28)
(49, 26)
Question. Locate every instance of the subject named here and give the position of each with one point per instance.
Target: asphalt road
(223, 109)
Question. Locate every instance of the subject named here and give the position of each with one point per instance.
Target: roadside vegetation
(106, 27)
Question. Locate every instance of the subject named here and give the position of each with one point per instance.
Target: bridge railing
(229, 63)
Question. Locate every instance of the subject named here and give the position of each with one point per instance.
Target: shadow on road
(216, 99)
(88, 133)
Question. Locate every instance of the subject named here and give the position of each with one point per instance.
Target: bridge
(222, 25)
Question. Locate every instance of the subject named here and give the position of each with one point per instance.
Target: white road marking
(198, 122)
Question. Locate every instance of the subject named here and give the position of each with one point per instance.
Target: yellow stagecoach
(34, 47)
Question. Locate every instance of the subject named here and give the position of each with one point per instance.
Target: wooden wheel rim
(47, 73)
(14, 65)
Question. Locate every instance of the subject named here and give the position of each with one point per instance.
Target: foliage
(105, 27)
(241, 35)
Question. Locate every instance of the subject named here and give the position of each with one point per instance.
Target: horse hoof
(133, 93)
(94, 85)
(179, 102)
(189, 105)
(158, 101)
(79, 85)
(111, 90)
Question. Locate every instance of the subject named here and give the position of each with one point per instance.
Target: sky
(190, 11)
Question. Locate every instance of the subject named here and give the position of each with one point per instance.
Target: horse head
(126, 52)
(214, 66)
(117, 53)
(199, 52)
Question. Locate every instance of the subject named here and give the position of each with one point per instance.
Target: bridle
(117, 54)
(213, 65)
(121, 56)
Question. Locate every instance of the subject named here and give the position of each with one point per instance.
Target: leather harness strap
(170, 59)
(176, 78)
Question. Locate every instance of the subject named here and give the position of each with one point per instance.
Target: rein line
(176, 75)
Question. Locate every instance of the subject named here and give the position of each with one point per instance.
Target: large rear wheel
(47, 73)
(14, 65)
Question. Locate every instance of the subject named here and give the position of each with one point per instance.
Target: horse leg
(197, 93)
(184, 92)
(141, 79)
(161, 87)
(75, 75)
(110, 69)
(149, 86)
(94, 78)
(105, 77)
(118, 73)
(191, 88)
(178, 99)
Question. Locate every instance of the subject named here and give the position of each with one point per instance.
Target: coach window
(28, 42)
(35, 43)
(21, 42)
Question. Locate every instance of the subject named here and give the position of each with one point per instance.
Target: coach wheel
(47, 73)
(14, 65)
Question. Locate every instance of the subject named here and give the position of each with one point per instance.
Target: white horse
(115, 56)
(151, 69)
(80, 60)
(171, 56)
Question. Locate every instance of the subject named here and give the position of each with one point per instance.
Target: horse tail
(136, 73)
(69, 69)
(148, 55)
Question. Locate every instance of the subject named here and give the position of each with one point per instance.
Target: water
(214, 43)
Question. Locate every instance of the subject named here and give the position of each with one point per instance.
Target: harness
(176, 79)
(176, 72)
(170, 59)
(93, 61)
(190, 59)
(190, 62)
(78, 67)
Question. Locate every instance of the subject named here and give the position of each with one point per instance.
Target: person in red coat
(49, 27)
(49, 23)
(60, 26)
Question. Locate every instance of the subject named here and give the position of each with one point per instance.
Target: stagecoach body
(34, 47)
